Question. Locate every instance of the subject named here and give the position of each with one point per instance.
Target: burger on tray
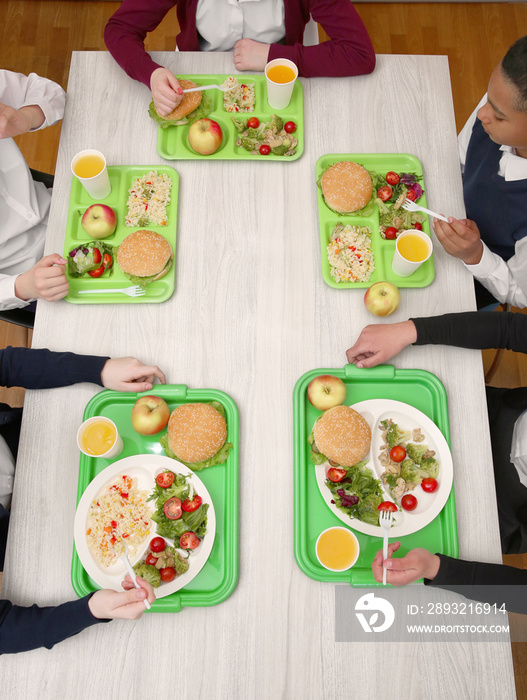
(347, 188)
(144, 256)
(193, 106)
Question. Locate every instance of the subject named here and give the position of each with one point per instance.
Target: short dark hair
(514, 67)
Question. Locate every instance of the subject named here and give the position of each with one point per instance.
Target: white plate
(429, 504)
(144, 468)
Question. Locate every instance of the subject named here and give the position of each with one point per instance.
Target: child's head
(504, 115)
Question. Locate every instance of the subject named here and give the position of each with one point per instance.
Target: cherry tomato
(429, 484)
(390, 233)
(97, 256)
(265, 149)
(107, 260)
(418, 226)
(98, 272)
(167, 574)
(151, 560)
(409, 502)
(188, 540)
(253, 123)
(411, 195)
(392, 178)
(384, 193)
(165, 479)
(189, 506)
(290, 127)
(158, 544)
(335, 474)
(387, 505)
(172, 508)
(397, 453)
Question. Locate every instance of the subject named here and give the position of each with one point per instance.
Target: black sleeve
(43, 369)
(489, 583)
(474, 329)
(23, 629)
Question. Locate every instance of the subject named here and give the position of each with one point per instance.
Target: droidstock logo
(372, 605)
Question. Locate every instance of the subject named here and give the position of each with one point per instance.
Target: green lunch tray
(423, 391)
(121, 179)
(382, 249)
(218, 578)
(172, 142)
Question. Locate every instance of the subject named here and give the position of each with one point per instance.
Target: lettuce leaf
(202, 110)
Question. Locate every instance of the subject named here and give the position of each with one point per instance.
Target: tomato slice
(98, 272)
(189, 540)
(253, 123)
(107, 260)
(190, 505)
(387, 505)
(165, 479)
(151, 560)
(397, 453)
(384, 193)
(172, 508)
(97, 256)
(335, 474)
(290, 127)
(409, 502)
(411, 195)
(418, 225)
(392, 178)
(158, 544)
(429, 484)
(167, 574)
(390, 233)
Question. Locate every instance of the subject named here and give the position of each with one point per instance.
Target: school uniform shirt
(506, 279)
(24, 204)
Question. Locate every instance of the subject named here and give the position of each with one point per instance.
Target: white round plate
(429, 504)
(144, 468)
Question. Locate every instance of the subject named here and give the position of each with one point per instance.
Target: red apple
(205, 136)
(382, 299)
(99, 221)
(150, 414)
(326, 391)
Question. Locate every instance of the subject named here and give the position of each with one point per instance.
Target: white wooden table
(249, 316)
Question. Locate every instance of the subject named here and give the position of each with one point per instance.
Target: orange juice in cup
(98, 437)
(280, 75)
(88, 165)
(412, 249)
(337, 549)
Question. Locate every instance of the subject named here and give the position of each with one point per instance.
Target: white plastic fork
(412, 206)
(209, 87)
(385, 521)
(126, 559)
(135, 291)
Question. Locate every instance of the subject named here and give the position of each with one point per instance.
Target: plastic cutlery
(209, 87)
(412, 206)
(135, 291)
(385, 521)
(126, 559)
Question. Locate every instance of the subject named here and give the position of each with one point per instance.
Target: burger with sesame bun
(347, 188)
(144, 256)
(193, 106)
(197, 434)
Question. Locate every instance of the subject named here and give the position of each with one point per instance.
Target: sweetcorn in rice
(148, 199)
(349, 253)
(122, 507)
(241, 98)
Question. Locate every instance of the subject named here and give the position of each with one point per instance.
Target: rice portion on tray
(121, 508)
(241, 98)
(148, 199)
(349, 253)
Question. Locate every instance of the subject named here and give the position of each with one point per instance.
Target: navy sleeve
(488, 583)
(44, 369)
(474, 329)
(23, 629)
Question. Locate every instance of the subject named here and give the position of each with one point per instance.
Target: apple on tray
(205, 136)
(150, 414)
(382, 298)
(326, 391)
(99, 221)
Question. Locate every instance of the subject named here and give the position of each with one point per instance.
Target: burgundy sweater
(349, 51)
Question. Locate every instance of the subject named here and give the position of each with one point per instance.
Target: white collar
(512, 166)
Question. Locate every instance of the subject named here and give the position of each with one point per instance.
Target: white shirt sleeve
(466, 133)
(18, 90)
(505, 280)
(519, 447)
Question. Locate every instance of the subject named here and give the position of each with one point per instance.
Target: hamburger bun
(145, 254)
(190, 102)
(342, 435)
(346, 187)
(196, 431)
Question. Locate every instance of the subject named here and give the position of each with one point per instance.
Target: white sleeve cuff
(8, 298)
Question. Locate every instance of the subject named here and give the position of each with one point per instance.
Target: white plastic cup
(352, 541)
(98, 186)
(279, 94)
(400, 265)
(114, 451)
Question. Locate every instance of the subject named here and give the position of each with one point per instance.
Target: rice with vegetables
(240, 98)
(349, 253)
(121, 508)
(148, 199)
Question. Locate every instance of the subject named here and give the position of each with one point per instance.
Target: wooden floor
(39, 36)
